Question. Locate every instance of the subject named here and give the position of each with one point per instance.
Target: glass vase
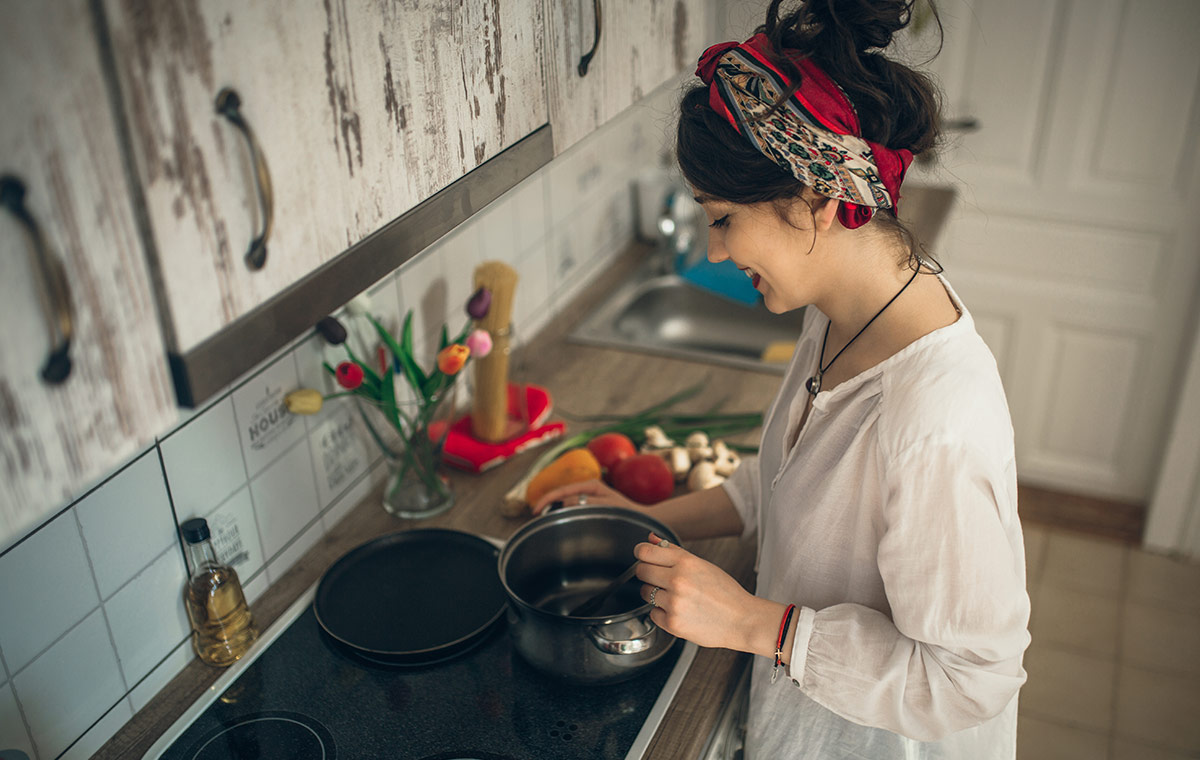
(412, 445)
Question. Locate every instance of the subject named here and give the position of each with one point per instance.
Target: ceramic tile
(13, 735)
(70, 686)
(423, 289)
(204, 461)
(147, 617)
(531, 307)
(97, 735)
(166, 669)
(266, 427)
(46, 587)
(1167, 581)
(1043, 740)
(385, 303)
(490, 236)
(285, 499)
(255, 588)
(234, 532)
(1036, 539)
(126, 523)
(1069, 687)
(1161, 639)
(340, 452)
(354, 496)
(527, 203)
(1084, 563)
(1159, 709)
(292, 553)
(1077, 619)
(1124, 749)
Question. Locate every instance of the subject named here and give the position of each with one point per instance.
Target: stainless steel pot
(559, 560)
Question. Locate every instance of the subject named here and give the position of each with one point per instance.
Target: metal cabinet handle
(228, 104)
(56, 295)
(587, 57)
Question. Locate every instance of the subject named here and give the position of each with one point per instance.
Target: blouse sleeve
(744, 489)
(952, 562)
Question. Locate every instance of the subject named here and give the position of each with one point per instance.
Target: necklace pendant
(813, 384)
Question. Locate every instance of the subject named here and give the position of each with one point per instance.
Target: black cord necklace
(813, 384)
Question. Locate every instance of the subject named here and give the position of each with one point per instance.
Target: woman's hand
(593, 491)
(700, 602)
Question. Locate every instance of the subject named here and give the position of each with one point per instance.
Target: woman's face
(774, 254)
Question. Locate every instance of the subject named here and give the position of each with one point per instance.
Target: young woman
(891, 581)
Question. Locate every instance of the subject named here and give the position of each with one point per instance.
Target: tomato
(645, 478)
(610, 448)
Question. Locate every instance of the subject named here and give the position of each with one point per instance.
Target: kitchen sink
(669, 316)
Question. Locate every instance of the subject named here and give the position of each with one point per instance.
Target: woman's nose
(716, 251)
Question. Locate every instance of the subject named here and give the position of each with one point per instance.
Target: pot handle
(623, 646)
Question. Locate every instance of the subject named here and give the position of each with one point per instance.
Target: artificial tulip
(349, 375)
(480, 343)
(481, 301)
(452, 358)
(304, 401)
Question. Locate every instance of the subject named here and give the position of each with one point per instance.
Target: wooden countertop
(582, 380)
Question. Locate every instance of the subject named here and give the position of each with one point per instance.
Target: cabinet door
(58, 145)
(361, 111)
(643, 44)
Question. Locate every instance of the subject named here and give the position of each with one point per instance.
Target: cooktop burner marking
(287, 721)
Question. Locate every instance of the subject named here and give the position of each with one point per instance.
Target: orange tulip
(452, 358)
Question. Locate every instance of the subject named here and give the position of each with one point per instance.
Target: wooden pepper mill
(489, 411)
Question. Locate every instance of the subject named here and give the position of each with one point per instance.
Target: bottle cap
(195, 530)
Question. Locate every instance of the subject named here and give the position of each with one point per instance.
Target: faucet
(682, 241)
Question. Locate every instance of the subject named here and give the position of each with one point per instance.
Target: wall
(93, 623)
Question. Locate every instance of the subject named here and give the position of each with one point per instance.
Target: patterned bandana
(815, 135)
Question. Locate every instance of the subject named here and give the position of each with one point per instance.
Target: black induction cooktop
(306, 697)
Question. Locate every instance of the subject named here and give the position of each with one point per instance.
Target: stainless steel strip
(224, 357)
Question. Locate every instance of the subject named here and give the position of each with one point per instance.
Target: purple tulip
(481, 301)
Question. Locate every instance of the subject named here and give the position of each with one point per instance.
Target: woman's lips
(754, 278)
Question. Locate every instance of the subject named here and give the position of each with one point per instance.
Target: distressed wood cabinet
(359, 110)
(64, 182)
(642, 45)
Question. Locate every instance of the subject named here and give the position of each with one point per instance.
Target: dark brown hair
(897, 106)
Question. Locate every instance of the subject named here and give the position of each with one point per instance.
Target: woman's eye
(720, 222)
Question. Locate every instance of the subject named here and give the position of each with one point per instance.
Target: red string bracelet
(783, 629)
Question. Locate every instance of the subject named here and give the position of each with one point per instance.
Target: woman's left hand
(700, 602)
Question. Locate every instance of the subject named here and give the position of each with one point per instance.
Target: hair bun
(869, 24)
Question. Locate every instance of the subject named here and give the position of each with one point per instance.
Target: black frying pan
(413, 597)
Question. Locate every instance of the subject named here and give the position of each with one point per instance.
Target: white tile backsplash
(235, 534)
(272, 484)
(70, 686)
(203, 461)
(98, 734)
(13, 735)
(126, 523)
(147, 616)
(46, 587)
(285, 499)
(266, 428)
(340, 452)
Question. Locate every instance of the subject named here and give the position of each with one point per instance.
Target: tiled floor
(1114, 668)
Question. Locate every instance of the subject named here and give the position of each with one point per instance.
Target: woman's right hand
(596, 492)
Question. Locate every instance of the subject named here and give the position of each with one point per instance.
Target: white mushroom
(704, 475)
(680, 462)
(725, 459)
(697, 446)
(656, 439)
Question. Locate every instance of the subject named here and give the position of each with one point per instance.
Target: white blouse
(892, 526)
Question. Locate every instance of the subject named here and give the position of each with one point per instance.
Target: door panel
(1077, 224)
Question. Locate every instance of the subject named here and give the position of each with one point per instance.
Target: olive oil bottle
(222, 627)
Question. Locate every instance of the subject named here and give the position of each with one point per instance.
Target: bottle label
(227, 539)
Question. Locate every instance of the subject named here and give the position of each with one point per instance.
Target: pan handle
(633, 645)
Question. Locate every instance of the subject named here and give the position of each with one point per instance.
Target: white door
(1076, 239)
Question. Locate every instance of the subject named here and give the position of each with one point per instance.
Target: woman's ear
(825, 213)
